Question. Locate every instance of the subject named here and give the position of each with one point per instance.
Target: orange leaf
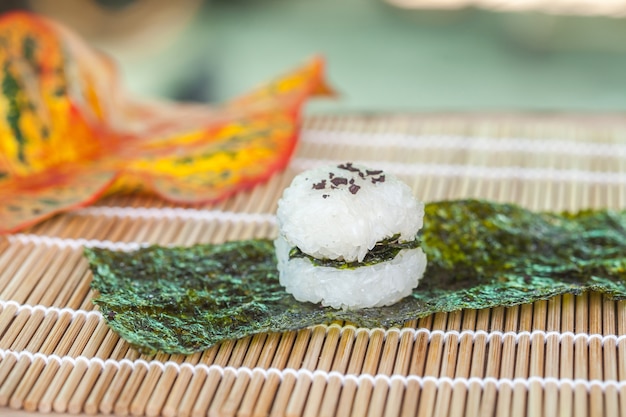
(222, 160)
(69, 133)
(41, 196)
(291, 89)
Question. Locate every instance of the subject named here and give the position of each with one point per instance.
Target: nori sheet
(480, 254)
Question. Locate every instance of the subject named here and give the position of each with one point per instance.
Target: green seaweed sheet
(480, 254)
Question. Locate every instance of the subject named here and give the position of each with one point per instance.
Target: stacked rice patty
(347, 237)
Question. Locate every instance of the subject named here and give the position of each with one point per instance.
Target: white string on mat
(430, 334)
(26, 238)
(495, 173)
(137, 213)
(457, 142)
(78, 244)
(4, 304)
(305, 373)
(175, 213)
(474, 334)
(445, 334)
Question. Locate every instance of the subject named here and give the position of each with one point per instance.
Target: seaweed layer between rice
(384, 251)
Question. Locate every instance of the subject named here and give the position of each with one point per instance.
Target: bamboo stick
(370, 365)
(519, 398)
(12, 368)
(57, 395)
(256, 381)
(80, 398)
(77, 374)
(463, 366)
(25, 278)
(295, 360)
(537, 356)
(344, 350)
(236, 394)
(228, 378)
(129, 383)
(581, 356)
(329, 402)
(595, 367)
(60, 342)
(281, 359)
(348, 392)
(362, 398)
(180, 385)
(107, 387)
(10, 260)
(211, 382)
(609, 358)
(319, 382)
(345, 402)
(449, 363)
(46, 342)
(190, 395)
(403, 354)
(295, 405)
(146, 383)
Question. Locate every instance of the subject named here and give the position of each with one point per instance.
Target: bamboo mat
(565, 356)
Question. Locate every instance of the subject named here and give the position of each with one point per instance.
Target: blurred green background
(380, 58)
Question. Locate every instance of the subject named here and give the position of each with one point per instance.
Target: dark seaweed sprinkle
(325, 195)
(337, 181)
(320, 185)
(348, 167)
(373, 172)
(354, 188)
(331, 175)
(378, 179)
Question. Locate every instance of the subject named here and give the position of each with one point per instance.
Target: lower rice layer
(377, 285)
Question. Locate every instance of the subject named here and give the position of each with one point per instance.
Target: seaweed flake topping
(374, 175)
(320, 185)
(348, 167)
(337, 181)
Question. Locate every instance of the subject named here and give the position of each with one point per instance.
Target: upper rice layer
(340, 212)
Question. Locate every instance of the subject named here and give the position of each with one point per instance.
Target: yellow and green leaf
(70, 133)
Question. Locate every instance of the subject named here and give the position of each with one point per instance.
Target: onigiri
(348, 237)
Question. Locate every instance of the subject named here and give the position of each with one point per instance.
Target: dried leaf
(68, 128)
(226, 158)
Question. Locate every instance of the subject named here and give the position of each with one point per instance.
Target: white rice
(377, 285)
(334, 223)
(340, 213)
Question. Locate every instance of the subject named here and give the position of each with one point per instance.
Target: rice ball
(332, 217)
